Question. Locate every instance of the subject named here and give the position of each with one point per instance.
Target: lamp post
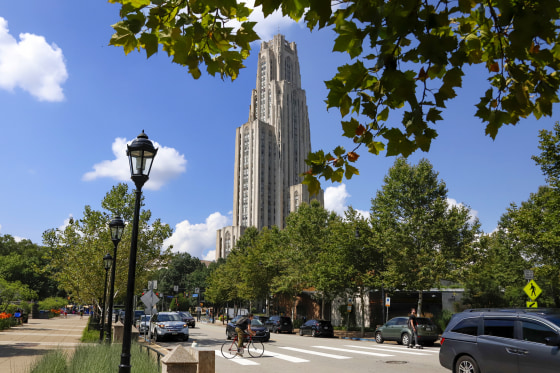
(141, 154)
(107, 261)
(117, 228)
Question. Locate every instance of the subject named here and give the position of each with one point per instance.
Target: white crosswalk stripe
(291, 359)
(371, 350)
(353, 351)
(237, 359)
(316, 353)
(400, 350)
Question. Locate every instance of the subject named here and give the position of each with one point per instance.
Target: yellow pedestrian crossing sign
(532, 304)
(532, 290)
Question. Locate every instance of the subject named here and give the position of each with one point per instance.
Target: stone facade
(271, 148)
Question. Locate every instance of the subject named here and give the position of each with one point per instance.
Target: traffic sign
(532, 304)
(532, 290)
(387, 302)
(528, 274)
(149, 299)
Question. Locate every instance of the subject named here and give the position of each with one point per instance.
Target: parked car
(262, 332)
(137, 315)
(144, 324)
(502, 340)
(277, 324)
(187, 317)
(397, 329)
(168, 324)
(317, 328)
(262, 319)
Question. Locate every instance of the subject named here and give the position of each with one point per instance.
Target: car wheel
(378, 337)
(301, 332)
(405, 339)
(185, 338)
(228, 337)
(313, 333)
(158, 338)
(466, 364)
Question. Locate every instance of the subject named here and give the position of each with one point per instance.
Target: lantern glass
(141, 153)
(117, 228)
(107, 261)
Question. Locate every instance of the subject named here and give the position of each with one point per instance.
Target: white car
(168, 324)
(144, 324)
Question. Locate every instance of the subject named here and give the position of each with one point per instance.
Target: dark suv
(502, 340)
(277, 324)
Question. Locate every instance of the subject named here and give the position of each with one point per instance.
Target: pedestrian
(412, 325)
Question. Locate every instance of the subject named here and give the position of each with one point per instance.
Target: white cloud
(198, 239)
(167, 165)
(31, 64)
(336, 200)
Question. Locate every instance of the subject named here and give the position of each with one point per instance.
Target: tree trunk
(419, 308)
(362, 306)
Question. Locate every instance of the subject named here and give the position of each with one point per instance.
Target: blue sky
(69, 103)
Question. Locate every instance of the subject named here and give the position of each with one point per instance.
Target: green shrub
(442, 319)
(94, 358)
(89, 336)
(52, 362)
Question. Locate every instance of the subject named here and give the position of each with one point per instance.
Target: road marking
(400, 351)
(353, 351)
(316, 353)
(237, 359)
(404, 348)
(291, 359)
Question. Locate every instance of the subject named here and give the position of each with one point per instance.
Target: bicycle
(255, 348)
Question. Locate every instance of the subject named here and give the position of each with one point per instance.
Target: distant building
(271, 148)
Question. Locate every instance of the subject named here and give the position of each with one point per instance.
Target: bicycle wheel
(229, 349)
(255, 348)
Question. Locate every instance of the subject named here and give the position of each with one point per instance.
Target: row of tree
(412, 240)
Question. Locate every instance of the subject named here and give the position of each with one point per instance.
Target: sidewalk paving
(22, 345)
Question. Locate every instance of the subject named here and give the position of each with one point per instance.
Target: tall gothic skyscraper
(270, 149)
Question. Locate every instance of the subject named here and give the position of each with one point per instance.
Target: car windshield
(146, 318)
(256, 322)
(187, 314)
(169, 317)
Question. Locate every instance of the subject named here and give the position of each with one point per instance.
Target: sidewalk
(22, 345)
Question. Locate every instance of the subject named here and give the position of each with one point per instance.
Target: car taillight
(441, 341)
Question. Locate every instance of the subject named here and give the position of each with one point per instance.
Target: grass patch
(90, 336)
(98, 358)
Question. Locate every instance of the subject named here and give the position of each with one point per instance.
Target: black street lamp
(117, 228)
(141, 154)
(107, 261)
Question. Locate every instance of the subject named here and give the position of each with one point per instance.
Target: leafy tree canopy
(408, 59)
(75, 254)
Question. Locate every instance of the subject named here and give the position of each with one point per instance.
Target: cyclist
(242, 327)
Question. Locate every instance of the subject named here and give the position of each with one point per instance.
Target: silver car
(168, 324)
(502, 340)
(144, 324)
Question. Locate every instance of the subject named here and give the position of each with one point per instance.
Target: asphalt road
(295, 354)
